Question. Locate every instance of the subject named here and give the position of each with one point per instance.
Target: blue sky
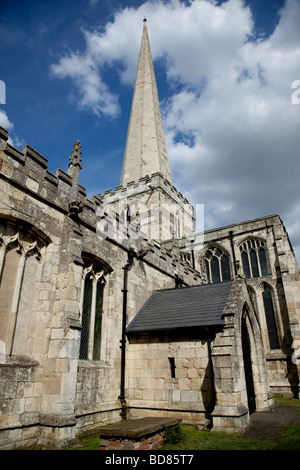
(224, 70)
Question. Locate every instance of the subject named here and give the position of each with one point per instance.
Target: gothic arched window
(123, 222)
(217, 265)
(20, 256)
(270, 318)
(91, 311)
(254, 258)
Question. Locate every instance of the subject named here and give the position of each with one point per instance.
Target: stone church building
(114, 307)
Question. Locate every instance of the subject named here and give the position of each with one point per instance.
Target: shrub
(173, 434)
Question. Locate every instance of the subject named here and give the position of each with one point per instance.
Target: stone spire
(146, 150)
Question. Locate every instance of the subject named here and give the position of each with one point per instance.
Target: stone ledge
(152, 442)
(18, 361)
(136, 434)
(137, 428)
(57, 421)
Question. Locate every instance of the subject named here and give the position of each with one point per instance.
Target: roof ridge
(211, 284)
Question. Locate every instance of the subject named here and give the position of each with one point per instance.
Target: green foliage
(183, 437)
(87, 442)
(290, 439)
(193, 439)
(173, 434)
(284, 401)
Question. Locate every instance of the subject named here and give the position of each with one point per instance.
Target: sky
(228, 76)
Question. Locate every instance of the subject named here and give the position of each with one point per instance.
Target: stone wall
(152, 384)
(152, 442)
(283, 279)
(232, 394)
(162, 212)
(98, 384)
(63, 395)
(48, 229)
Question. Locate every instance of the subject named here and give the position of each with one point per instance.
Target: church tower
(146, 196)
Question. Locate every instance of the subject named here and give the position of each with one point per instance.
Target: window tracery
(19, 254)
(93, 282)
(217, 265)
(270, 317)
(254, 258)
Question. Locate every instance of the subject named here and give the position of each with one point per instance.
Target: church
(114, 307)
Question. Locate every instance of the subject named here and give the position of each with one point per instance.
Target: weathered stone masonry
(219, 349)
(58, 389)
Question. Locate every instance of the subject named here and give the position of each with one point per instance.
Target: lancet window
(20, 255)
(270, 318)
(254, 258)
(217, 265)
(125, 217)
(93, 283)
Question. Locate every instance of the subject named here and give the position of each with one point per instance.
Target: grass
(193, 439)
(205, 440)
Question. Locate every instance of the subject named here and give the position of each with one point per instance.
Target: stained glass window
(270, 319)
(215, 269)
(86, 316)
(98, 322)
(254, 258)
(217, 265)
(91, 313)
(246, 267)
(225, 268)
(263, 262)
(254, 263)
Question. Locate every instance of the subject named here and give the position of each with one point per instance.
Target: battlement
(145, 184)
(28, 170)
(29, 165)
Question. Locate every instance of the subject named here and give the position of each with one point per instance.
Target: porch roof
(185, 307)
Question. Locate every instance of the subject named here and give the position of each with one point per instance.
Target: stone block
(189, 396)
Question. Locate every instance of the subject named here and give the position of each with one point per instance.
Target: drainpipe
(212, 376)
(126, 268)
(193, 254)
(233, 252)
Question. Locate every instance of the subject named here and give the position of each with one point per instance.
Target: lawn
(193, 439)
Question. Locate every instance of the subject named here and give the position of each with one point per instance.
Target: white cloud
(93, 92)
(5, 122)
(201, 23)
(8, 125)
(231, 127)
(244, 158)
(13, 139)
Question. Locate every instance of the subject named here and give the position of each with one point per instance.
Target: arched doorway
(246, 345)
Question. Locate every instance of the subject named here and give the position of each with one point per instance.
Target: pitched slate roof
(186, 307)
